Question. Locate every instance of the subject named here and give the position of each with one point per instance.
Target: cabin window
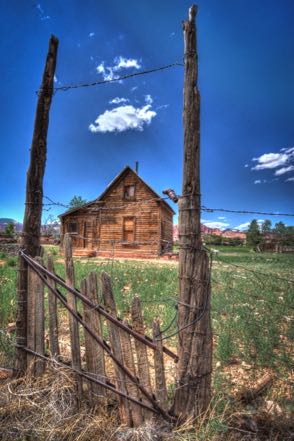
(129, 192)
(129, 229)
(72, 227)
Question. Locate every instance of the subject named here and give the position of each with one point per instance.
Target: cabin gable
(128, 219)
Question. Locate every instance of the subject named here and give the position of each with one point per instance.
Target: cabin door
(129, 229)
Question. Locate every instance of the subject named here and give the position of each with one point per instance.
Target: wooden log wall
(100, 224)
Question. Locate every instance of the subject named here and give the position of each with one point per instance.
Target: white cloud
(125, 63)
(108, 72)
(246, 165)
(270, 160)
(242, 227)
(284, 170)
(118, 100)
(245, 225)
(274, 160)
(91, 34)
(290, 179)
(42, 14)
(123, 118)
(288, 150)
(283, 162)
(148, 99)
(134, 88)
(55, 79)
(172, 34)
(215, 224)
(222, 217)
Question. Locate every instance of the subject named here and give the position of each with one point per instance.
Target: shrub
(11, 261)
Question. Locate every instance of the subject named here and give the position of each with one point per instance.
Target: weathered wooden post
(193, 391)
(33, 205)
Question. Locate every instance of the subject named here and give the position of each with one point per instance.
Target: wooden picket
(53, 313)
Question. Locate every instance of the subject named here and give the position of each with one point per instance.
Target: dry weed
(46, 409)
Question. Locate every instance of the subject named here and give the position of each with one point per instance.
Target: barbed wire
(225, 210)
(258, 297)
(202, 312)
(116, 79)
(159, 198)
(266, 274)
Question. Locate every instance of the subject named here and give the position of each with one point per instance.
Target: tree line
(280, 233)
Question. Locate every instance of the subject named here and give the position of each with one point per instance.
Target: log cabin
(129, 219)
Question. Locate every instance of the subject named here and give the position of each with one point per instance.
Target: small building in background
(128, 219)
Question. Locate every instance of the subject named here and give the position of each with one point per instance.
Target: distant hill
(228, 233)
(4, 221)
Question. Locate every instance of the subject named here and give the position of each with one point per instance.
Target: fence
(126, 345)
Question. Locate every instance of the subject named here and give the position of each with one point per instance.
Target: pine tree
(76, 202)
(266, 226)
(253, 236)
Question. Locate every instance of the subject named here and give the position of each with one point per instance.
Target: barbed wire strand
(115, 79)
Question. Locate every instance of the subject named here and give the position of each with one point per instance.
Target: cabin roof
(124, 171)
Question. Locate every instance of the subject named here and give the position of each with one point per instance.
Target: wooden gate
(136, 374)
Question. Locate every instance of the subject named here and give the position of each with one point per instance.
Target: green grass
(252, 313)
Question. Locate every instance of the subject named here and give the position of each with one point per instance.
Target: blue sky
(246, 71)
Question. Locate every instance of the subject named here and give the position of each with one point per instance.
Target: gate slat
(114, 336)
(53, 314)
(160, 382)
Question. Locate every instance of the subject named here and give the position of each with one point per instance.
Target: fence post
(53, 314)
(71, 299)
(160, 383)
(31, 319)
(33, 205)
(114, 336)
(36, 319)
(193, 393)
(40, 322)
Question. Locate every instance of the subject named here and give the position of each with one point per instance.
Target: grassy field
(252, 298)
(252, 310)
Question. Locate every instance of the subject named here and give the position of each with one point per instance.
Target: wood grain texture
(193, 393)
(115, 343)
(71, 300)
(100, 224)
(141, 349)
(52, 313)
(34, 198)
(94, 353)
(128, 357)
(160, 382)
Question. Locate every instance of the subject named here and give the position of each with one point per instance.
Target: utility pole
(34, 198)
(193, 391)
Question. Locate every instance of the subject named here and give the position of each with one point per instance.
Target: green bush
(11, 261)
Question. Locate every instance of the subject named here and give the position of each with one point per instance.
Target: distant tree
(280, 228)
(253, 236)
(266, 227)
(76, 202)
(51, 226)
(9, 230)
(289, 239)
